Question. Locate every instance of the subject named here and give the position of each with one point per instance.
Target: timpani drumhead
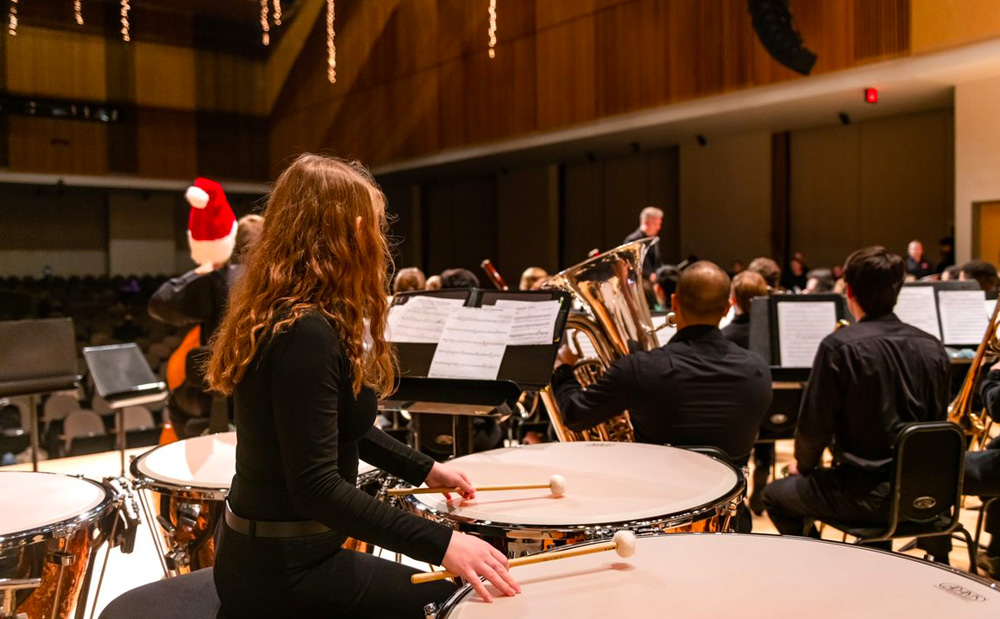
(35, 500)
(207, 462)
(605, 483)
(730, 575)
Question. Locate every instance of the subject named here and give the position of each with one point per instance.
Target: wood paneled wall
(414, 76)
(185, 111)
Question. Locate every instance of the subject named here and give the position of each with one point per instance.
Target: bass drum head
(33, 502)
(606, 483)
(750, 576)
(205, 463)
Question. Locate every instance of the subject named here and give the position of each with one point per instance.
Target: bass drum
(609, 487)
(51, 527)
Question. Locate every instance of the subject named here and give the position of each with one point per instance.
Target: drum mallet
(623, 543)
(556, 485)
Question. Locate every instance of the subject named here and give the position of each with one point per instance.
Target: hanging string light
(265, 27)
(331, 49)
(78, 11)
(125, 25)
(493, 27)
(277, 12)
(12, 23)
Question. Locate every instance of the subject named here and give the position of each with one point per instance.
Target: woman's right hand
(470, 557)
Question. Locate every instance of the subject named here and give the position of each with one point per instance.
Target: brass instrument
(609, 286)
(976, 423)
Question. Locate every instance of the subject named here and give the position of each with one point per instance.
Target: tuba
(976, 423)
(617, 322)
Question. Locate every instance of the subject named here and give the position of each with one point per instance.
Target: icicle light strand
(12, 22)
(126, 7)
(331, 49)
(277, 12)
(265, 27)
(493, 27)
(78, 11)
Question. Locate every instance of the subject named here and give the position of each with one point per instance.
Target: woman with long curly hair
(302, 352)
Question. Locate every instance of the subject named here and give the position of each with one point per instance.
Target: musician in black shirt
(699, 389)
(650, 221)
(301, 350)
(868, 380)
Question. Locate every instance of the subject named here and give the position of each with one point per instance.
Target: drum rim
(145, 482)
(448, 606)
(675, 519)
(63, 528)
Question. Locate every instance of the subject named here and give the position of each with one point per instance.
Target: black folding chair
(926, 488)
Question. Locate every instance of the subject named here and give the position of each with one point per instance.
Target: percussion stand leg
(33, 405)
(120, 438)
(151, 523)
(80, 610)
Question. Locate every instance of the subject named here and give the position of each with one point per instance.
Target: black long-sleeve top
(991, 394)
(300, 432)
(869, 380)
(738, 331)
(652, 260)
(699, 389)
(194, 298)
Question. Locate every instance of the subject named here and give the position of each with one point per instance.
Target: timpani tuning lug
(10, 587)
(61, 558)
(430, 611)
(177, 559)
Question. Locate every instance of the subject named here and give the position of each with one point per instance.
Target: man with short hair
(650, 222)
(915, 263)
(459, 278)
(698, 389)
(819, 281)
(769, 270)
(984, 273)
(868, 381)
(746, 286)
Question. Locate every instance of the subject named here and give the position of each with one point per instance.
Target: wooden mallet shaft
(623, 543)
(557, 485)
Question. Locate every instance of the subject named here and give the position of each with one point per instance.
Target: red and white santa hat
(212, 224)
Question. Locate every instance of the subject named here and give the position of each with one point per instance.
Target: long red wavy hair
(314, 255)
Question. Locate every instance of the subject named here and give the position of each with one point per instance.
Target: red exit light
(871, 95)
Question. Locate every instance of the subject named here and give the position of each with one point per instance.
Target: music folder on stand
(523, 367)
(122, 377)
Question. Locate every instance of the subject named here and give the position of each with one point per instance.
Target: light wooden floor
(125, 572)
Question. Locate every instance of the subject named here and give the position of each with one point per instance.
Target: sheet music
(990, 305)
(962, 318)
(534, 321)
(420, 320)
(801, 327)
(473, 343)
(917, 306)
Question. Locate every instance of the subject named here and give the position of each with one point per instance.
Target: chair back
(137, 418)
(58, 406)
(928, 464)
(83, 423)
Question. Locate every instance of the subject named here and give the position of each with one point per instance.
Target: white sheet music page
(420, 320)
(917, 306)
(801, 327)
(534, 321)
(473, 343)
(963, 321)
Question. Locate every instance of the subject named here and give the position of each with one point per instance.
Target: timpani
(609, 487)
(751, 576)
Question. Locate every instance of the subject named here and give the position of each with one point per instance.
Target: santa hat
(212, 225)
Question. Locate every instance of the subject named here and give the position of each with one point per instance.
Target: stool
(191, 596)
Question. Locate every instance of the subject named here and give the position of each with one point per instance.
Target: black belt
(267, 528)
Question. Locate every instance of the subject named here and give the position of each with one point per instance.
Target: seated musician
(532, 278)
(746, 286)
(867, 381)
(408, 279)
(699, 389)
(982, 475)
(293, 352)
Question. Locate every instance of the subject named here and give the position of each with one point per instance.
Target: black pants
(844, 494)
(313, 577)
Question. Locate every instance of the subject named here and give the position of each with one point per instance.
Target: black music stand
(123, 378)
(523, 367)
(37, 357)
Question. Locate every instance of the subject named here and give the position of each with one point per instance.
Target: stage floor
(125, 572)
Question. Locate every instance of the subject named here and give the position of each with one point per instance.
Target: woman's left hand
(445, 477)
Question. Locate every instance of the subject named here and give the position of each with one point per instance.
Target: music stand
(522, 367)
(123, 378)
(37, 357)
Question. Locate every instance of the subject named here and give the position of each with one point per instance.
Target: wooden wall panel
(166, 143)
(165, 76)
(58, 146)
(53, 63)
(566, 82)
(881, 28)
